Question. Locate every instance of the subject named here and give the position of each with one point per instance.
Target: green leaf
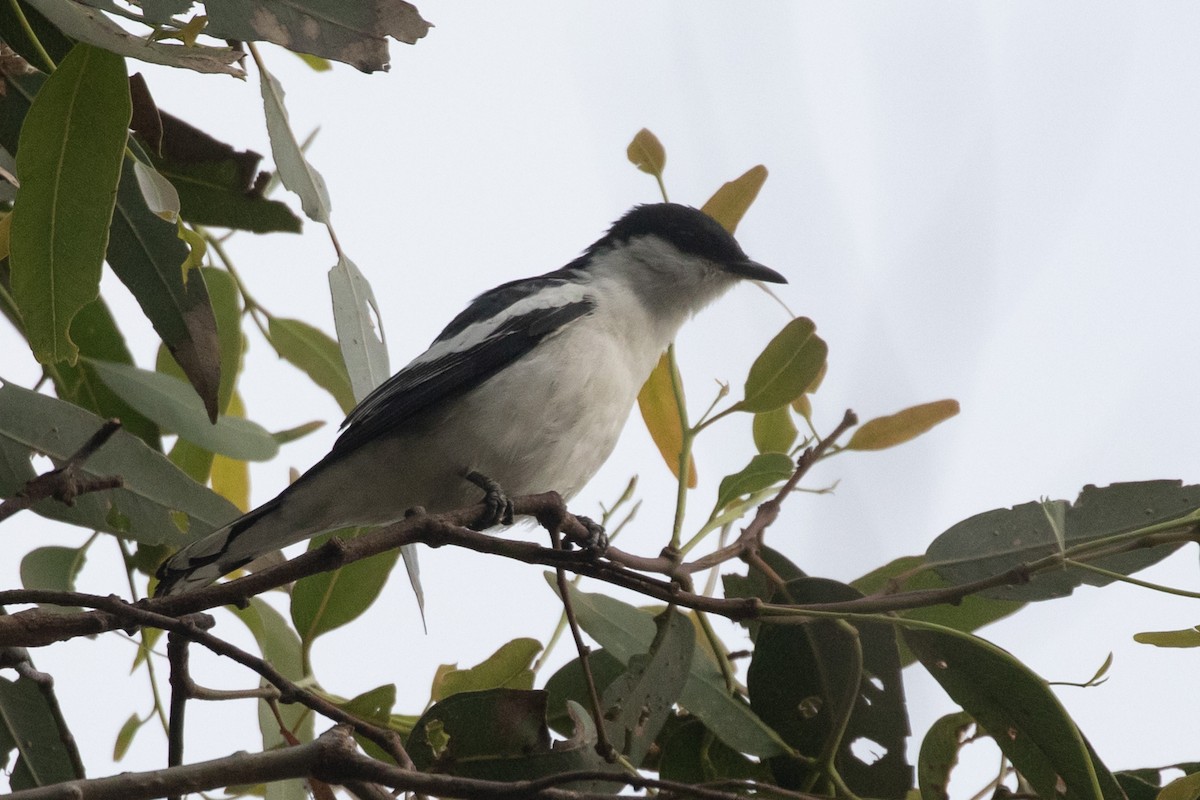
(96, 333)
(808, 681)
(764, 469)
(568, 685)
(175, 407)
(969, 614)
(281, 648)
(510, 667)
(647, 153)
(149, 638)
(660, 412)
(231, 344)
(939, 754)
(731, 202)
(501, 735)
(636, 705)
(316, 354)
(774, 431)
(125, 736)
(691, 753)
(91, 26)
(52, 567)
(218, 185)
(626, 631)
(192, 459)
(1188, 637)
(884, 432)
(69, 163)
(1017, 709)
(787, 367)
(155, 491)
(995, 541)
(329, 600)
(13, 32)
(374, 705)
(146, 253)
(19, 91)
(355, 33)
(295, 172)
(354, 311)
(365, 355)
(28, 726)
(298, 432)
(1185, 788)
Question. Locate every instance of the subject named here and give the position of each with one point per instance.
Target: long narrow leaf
(69, 163)
(158, 503)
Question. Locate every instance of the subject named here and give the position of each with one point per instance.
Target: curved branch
(332, 758)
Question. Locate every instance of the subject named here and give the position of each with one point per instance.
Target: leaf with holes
(993, 542)
(1018, 710)
(806, 681)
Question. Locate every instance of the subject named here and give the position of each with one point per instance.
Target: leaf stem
(686, 439)
(719, 650)
(28, 29)
(1116, 576)
(142, 643)
(253, 307)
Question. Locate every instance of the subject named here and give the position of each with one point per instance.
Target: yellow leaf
(661, 413)
(5, 226)
(231, 477)
(197, 247)
(315, 63)
(883, 432)
(231, 480)
(730, 203)
(192, 29)
(647, 153)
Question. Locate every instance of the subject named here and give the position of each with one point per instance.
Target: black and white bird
(527, 389)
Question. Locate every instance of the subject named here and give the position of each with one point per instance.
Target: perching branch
(332, 758)
(36, 628)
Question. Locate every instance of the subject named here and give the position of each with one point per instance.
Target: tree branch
(332, 758)
(67, 482)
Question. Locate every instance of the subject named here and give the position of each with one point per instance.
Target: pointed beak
(754, 271)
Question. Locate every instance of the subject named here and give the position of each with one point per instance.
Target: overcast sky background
(992, 202)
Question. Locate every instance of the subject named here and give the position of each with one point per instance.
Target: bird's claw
(596, 540)
(498, 507)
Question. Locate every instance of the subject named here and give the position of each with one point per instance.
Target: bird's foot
(596, 540)
(498, 508)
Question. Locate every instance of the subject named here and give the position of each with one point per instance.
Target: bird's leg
(499, 508)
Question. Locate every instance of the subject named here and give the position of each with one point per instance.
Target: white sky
(990, 202)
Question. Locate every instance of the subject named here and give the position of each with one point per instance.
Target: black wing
(430, 382)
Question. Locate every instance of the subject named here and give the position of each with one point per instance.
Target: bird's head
(674, 255)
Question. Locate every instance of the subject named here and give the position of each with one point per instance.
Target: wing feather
(459, 360)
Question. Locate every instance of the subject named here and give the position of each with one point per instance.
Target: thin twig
(67, 482)
(332, 758)
(603, 747)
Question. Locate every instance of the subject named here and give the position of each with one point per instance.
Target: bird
(525, 391)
